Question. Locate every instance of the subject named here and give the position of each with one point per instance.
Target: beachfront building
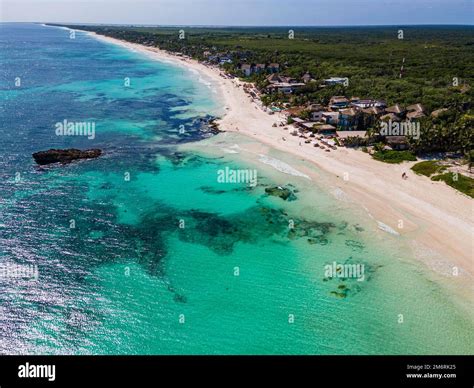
(275, 78)
(224, 60)
(370, 116)
(415, 107)
(325, 129)
(415, 111)
(349, 119)
(396, 110)
(273, 67)
(415, 115)
(316, 112)
(362, 104)
(398, 143)
(308, 126)
(305, 126)
(282, 84)
(283, 87)
(294, 111)
(345, 134)
(389, 116)
(338, 102)
(331, 118)
(367, 103)
(335, 81)
(260, 68)
(246, 69)
(299, 123)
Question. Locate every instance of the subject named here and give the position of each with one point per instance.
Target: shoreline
(434, 215)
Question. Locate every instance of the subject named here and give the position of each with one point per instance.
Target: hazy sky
(241, 12)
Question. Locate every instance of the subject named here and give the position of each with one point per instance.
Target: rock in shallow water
(64, 156)
(283, 192)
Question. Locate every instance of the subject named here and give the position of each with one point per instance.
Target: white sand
(433, 214)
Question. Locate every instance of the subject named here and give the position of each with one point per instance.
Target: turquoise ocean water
(164, 259)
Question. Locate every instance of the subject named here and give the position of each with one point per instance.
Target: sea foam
(282, 166)
(387, 228)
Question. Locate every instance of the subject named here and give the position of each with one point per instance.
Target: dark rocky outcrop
(64, 156)
(214, 127)
(282, 192)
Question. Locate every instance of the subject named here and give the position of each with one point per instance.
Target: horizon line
(241, 25)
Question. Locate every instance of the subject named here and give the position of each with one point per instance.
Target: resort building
(260, 68)
(368, 103)
(325, 129)
(246, 69)
(338, 102)
(276, 78)
(415, 115)
(415, 111)
(370, 116)
(295, 111)
(299, 122)
(284, 87)
(396, 110)
(390, 116)
(316, 112)
(282, 84)
(415, 107)
(349, 119)
(274, 67)
(362, 104)
(335, 81)
(224, 60)
(398, 143)
(346, 134)
(331, 117)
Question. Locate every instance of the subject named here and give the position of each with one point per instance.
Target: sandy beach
(436, 217)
